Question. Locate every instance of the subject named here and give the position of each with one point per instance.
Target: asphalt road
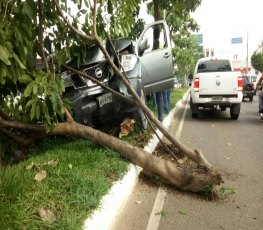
(234, 147)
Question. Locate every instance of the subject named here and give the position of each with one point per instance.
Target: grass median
(62, 181)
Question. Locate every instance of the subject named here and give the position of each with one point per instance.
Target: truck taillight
(196, 84)
(240, 84)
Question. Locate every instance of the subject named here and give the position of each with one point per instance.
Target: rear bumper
(248, 93)
(216, 99)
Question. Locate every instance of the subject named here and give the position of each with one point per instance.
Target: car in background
(248, 88)
(176, 83)
(253, 79)
(216, 85)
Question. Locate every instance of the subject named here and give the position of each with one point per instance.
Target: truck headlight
(128, 62)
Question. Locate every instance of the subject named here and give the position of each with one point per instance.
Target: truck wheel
(234, 111)
(194, 109)
(194, 115)
(251, 99)
(139, 116)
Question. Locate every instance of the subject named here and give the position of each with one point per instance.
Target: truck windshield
(214, 66)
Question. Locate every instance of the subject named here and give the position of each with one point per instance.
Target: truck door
(155, 55)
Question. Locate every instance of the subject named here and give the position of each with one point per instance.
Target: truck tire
(235, 111)
(251, 99)
(194, 109)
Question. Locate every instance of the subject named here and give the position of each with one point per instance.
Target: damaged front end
(91, 104)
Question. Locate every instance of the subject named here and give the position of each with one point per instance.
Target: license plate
(217, 98)
(244, 94)
(104, 99)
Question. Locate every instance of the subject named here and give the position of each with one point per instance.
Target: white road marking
(155, 216)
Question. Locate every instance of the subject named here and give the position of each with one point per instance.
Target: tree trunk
(181, 177)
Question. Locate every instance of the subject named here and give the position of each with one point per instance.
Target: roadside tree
(31, 106)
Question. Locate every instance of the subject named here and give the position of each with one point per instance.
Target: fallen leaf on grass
(40, 175)
(38, 165)
(47, 215)
(29, 167)
(126, 127)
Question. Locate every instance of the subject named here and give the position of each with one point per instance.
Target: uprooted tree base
(189, 167)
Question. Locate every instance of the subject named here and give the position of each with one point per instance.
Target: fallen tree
(184, 178)
(26, 133)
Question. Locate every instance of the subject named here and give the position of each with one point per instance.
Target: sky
(221, 20)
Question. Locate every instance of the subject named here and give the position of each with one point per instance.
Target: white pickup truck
(216, 85)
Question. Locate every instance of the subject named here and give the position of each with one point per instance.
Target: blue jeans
(166, 100)
(162, 100)
(157, 100)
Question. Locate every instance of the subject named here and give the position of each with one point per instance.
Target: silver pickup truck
(216, 85)
(147, 64)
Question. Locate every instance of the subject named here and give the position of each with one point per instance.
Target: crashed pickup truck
(147, 64)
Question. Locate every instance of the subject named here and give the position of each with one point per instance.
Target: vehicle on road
(147, 63)
(253, 79)
(216, 85)
(248, 89)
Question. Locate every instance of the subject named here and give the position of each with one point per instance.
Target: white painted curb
(103, 218)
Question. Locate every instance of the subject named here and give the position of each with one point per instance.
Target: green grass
(73, 187)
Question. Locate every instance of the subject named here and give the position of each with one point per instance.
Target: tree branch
(91, 38)
(40, 34)
(20, 140)
(22, 126)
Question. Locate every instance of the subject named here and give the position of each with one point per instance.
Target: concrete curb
(103, 218)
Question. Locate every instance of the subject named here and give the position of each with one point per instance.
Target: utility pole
(247, 54)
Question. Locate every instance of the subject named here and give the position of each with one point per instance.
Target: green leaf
(30, 102)
(37, 111)
(61, 58)
(28, 90)
(49, 105)
(4, 55)
(33, 111)
(18, 61)
(86, 3)
(3, 70)
(35, 89)
(24, 79)
(28, 9)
